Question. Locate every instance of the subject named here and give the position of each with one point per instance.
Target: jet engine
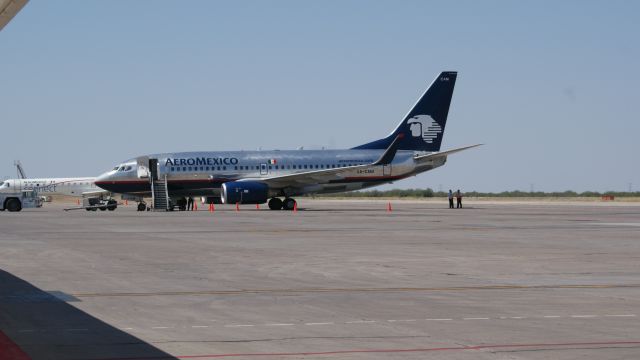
(244, 192)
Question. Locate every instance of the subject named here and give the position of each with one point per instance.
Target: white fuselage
(52, 186)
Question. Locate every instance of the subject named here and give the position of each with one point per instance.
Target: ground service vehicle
(16, 201)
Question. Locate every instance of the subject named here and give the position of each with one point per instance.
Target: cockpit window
(127, 168)
(115, 168)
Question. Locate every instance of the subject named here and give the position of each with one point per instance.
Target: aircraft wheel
(94, 209)
(103, 208)
(13, 205)
(112, 205)
(275, 204)
(289, 204)
(142, 207)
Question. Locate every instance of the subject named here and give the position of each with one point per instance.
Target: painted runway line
(356, 290)
(591, 345)
(239, 325)
(575, 317)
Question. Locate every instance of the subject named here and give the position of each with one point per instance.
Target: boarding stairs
(160, 193)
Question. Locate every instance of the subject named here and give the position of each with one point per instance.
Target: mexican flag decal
(272, 161)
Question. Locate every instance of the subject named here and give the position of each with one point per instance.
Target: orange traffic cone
(257, 206)
(126, 202)
(195, 206)
(389, 207)
(237, 206)
(295, 206)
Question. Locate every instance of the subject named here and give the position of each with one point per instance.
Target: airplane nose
(105, 180)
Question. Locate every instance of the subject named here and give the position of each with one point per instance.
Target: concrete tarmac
(336, 280)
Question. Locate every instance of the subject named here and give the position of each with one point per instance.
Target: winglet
(390, 153)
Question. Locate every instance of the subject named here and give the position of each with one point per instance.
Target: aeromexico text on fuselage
(221, 161)
(201, 161)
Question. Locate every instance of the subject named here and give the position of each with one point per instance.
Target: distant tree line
(429, 193)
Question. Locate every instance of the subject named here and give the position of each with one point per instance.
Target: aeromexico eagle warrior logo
(424, 126)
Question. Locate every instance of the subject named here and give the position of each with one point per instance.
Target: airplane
(52, 186)
(255, 177)
(81, 187)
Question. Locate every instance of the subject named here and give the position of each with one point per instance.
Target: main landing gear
(277, 204)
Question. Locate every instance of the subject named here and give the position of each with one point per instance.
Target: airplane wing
(9, 9)
(309, 177)
(439, 154)
(326, 175)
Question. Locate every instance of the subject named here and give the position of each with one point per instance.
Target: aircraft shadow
(46, 327)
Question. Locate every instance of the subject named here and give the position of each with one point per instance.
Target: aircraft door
(264, 170)
(142, 164)
(386, 170)
(153, 168)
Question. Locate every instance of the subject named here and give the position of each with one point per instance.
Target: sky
(549, 87)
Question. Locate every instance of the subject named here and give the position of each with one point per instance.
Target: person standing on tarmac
(459, 199)
(190, 204)
(450, 199)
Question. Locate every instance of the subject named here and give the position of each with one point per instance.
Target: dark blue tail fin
(423, 126)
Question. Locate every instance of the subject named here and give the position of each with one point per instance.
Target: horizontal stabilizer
(444, 153)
